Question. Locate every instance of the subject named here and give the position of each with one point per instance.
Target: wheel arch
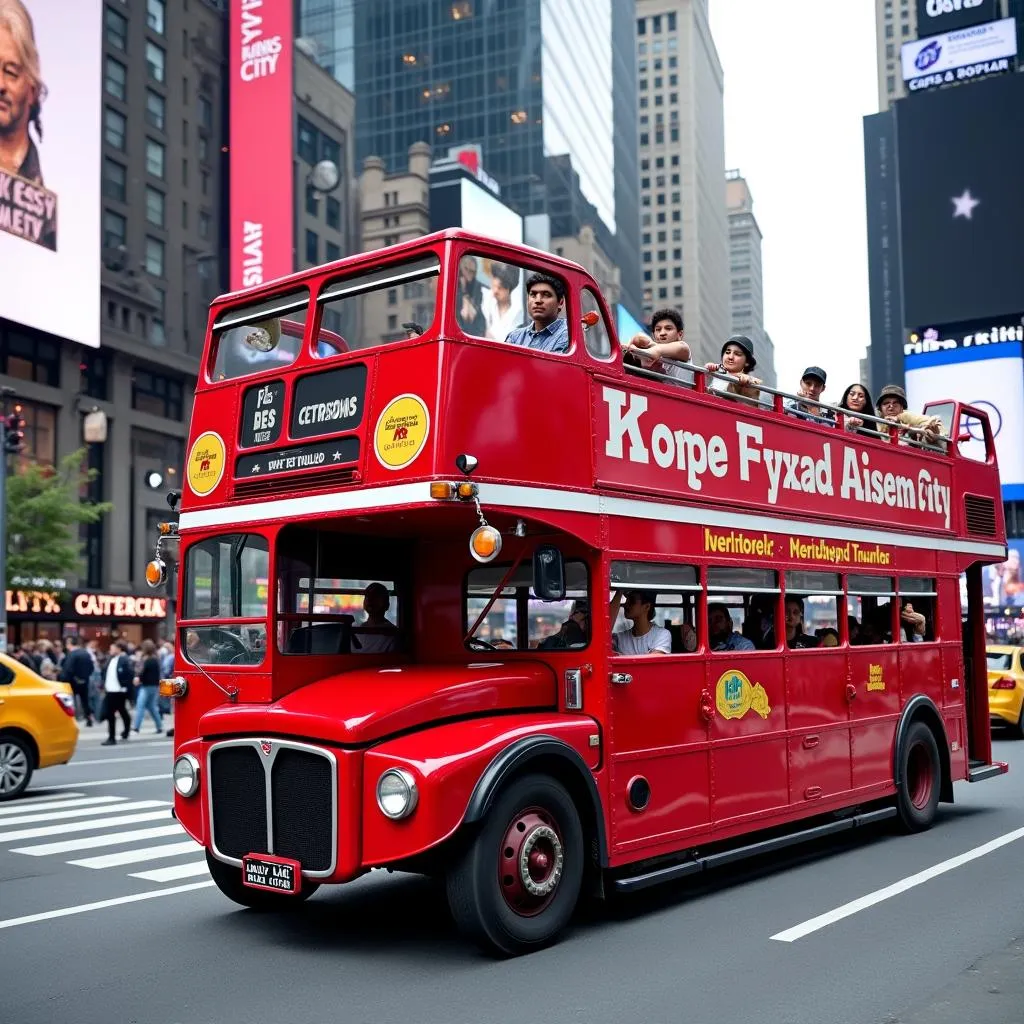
(23, 734)
(921, 708)
(555, 757)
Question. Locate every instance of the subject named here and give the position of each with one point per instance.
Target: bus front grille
(277, 797)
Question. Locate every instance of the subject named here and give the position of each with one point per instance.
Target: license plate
(276, 874)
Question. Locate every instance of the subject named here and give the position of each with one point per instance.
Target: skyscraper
(745, 281)
(684, 232)
(546, 88)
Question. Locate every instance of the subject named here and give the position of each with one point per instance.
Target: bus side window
(750, 601)
(871, 600)
(597, 336)
(676, 589)
(820, 594)
(917, 597)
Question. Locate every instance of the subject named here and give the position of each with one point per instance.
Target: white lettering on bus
(323, 412)
(812, 473)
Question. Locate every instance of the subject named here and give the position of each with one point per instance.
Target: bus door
(658, 737)
(744, 693)
(817, 700)
(875, 685)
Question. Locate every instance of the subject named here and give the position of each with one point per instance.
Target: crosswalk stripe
(46, 797)
(111, 782)
(132, 805)
(60, 805)
(113, 860)
(170, 874)
(75, 763)
(93, 842)
(81, 826)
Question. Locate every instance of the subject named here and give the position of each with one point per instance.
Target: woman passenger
(737, 359)
(857, 399)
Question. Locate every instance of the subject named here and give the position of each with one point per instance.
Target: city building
(557, 134)
(684, 230)
(746, 289)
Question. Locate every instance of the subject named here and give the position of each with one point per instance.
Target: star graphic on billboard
(963, 205)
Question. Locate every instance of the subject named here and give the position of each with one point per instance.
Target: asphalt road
(156, 944)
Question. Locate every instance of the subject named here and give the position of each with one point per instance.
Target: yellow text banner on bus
(774, 547)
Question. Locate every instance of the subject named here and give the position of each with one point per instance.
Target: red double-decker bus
(405, 549)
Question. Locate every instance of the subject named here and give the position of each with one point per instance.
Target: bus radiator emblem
(265, 746)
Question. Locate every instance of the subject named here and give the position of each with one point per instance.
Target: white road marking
(93, 842)
(82, 826)
(22, 801)
(855, 906)
(49, 915)
(120, 760)
(173, 873)
(132, 805)
(111, 782)
(57, 805)
(113, 860)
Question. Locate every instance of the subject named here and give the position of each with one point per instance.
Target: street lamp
(324, 177)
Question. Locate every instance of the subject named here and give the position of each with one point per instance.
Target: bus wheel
(229, 881)
(917, 797)
(515, 886)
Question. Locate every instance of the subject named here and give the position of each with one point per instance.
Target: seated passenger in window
(546, 331)
(575, 631)
(827, 637)
(912, 623)
(796, 638)
(644, 637)
(853, 629)
(502, 305)
(759, 625)
(720, 631)
(469, 301)
(377, 635)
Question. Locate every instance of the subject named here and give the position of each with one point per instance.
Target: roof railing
(891, 433)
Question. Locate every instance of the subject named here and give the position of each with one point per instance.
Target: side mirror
(549, 573)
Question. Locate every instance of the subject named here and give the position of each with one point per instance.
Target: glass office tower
(547, 88)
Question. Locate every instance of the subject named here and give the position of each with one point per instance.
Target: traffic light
(14, 434)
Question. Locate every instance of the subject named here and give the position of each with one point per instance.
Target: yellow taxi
(1006, 686)
(37, 725)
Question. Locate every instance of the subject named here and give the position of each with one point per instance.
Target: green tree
(45, 509)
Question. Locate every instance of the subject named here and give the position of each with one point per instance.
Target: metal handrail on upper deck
(890, 435)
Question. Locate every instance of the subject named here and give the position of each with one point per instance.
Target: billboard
(960, 151)
(991, 378)
(459, 200)
(51, 56)
(946, 15)
(262, 201)
(1003, 584)
(958, 56)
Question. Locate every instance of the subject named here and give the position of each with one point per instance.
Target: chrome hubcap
(13, 767)
(540, 861)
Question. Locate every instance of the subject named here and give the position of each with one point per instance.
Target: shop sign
(119, 606)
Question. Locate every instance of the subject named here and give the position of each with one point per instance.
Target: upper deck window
(379, 307)
(493, 301)
(262, 336)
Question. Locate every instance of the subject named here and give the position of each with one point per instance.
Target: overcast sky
(799, 77)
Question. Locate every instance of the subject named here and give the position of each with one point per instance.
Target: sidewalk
(98, 732)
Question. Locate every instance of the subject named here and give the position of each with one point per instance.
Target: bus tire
(228, 879)
(515, 885)
(920, 778)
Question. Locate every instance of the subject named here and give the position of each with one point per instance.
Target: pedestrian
(148, 691)
(77, 670)
(117, 682)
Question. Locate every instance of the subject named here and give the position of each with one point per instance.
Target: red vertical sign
(262, 203)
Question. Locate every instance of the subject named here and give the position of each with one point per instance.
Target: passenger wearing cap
(667, 343)
(644, 637)
(812, 384)
(892, 405)
(574, 632)
(737, 359)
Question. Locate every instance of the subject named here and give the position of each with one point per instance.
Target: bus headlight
(186, 775)
(397, 794)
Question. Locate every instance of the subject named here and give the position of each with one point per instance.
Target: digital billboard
(262, 203)
(991, 378)
(960, 55)
(458, 200)
(50, 86)
(959, 153)
(946, 15)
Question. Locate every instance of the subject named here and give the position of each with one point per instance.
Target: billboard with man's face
(50, 82)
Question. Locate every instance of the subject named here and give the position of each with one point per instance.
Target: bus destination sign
(329, 403)
(262, 414)
(341, 451)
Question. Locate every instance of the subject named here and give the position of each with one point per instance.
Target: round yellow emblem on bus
(205, 465)
(401, 431)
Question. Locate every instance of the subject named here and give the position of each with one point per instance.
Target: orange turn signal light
(590, 319)
(485, 543)
(176, 687)
(468, 490)
(442, 490)
(167, 529)
(156, 572)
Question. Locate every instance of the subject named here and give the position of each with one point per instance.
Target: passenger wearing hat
(812, 384)
(892, 405)
(737, 359)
